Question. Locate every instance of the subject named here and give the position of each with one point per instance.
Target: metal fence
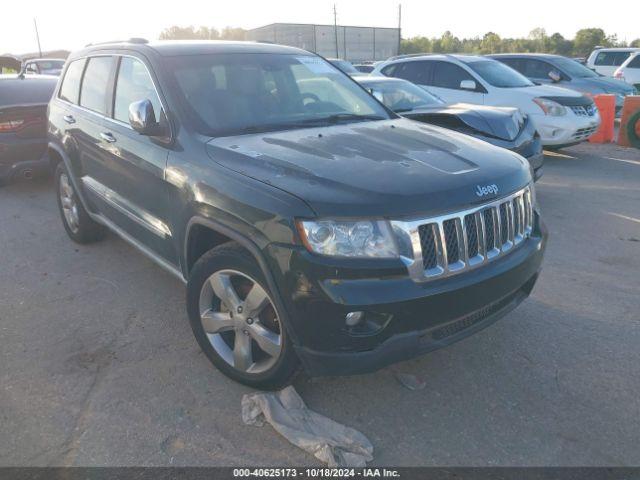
(355, 44)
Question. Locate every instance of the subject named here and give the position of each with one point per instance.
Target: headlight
(549, 107)
(355, 238)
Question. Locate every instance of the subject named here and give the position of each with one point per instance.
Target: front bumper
(569, 129)
(415, 317)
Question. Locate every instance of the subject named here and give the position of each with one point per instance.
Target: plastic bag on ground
(330, 442)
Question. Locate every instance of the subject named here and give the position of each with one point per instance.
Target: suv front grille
(460, 241)
(584, 111)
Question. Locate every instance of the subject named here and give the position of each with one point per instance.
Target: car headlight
(549, 107)
(353, 238)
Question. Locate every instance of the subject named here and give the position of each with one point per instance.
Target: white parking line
(632, 162)
(624, 217)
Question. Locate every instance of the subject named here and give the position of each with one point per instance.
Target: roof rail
(136, 40)
(410, 55)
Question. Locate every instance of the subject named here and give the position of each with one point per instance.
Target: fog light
(354, 318)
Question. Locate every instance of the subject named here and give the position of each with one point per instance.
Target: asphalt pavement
(98, 365)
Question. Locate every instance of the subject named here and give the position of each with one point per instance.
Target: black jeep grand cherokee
(311, 224)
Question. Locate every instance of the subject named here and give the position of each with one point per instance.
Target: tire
(80, 227)
(632, 135)
(232, 336)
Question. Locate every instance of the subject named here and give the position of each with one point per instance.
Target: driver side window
(133, 84)
(538, 69)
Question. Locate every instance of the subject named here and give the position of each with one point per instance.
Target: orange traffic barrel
(607, 107)
(629, 135)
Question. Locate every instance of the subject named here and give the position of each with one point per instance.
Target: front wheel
(236, 322)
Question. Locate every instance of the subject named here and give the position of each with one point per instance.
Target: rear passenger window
(415, 72)
(134, 84)
(635, 63)
(611, 59)
(71, 83)
(94, 84)
(536, 69)
(448, 75)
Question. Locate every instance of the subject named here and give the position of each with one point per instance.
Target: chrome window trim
(111, 119)
(409, 230)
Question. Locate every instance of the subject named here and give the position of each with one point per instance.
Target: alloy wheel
(240, 321)
(69, 204)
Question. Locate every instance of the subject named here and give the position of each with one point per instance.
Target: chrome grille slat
(450, 244)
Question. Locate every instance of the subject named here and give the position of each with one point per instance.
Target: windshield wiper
(339, 117)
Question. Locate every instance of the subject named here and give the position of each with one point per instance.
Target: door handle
(107, 137)
(69, 119)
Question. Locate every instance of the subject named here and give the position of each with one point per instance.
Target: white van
(605, 61)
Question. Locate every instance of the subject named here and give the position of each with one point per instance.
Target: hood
(499, 122)
(596, 85)
(389, 168)
(546, 91)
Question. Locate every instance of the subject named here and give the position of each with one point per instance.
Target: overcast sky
(70, 24)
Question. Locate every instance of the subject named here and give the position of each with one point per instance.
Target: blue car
(567, 73)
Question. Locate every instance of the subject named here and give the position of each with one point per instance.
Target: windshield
(50, 64)
(229, 94)
(499, 75)
(345, 66)
(573, 68)
(401, 96)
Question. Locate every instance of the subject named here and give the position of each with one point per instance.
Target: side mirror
(468, 85)
(555, 76)
(142, 119)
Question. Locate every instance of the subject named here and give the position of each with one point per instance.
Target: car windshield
(345, 66)
(401, 96)
(573, 68)
(230, 94)
(499, 75)
(50, 64)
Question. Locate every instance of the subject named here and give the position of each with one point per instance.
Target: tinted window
(448, 75)
(227, 94)
(635, 62)
(611, 59)
(536, 68)
(71, 83)
(499, 75)
(415, 72)
(133, 84)
(94, 84)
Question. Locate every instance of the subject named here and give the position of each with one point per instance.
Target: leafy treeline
(537, 41)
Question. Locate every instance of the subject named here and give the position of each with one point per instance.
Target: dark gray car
(567, 73)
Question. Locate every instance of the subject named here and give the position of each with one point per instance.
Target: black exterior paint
(24, 152)
(252, 188)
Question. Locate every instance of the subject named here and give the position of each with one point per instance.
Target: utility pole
(335, 27)
(35, 24)
(399, 27)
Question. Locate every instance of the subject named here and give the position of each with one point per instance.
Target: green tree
(202, 33)
(559, 45)
(588, 38)
(491, 43)
(635, 43)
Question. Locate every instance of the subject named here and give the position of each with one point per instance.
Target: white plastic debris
(330, 442)
(410, 381)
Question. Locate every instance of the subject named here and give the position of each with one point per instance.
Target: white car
(606, 61)
(562, 117)
(629, 71)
